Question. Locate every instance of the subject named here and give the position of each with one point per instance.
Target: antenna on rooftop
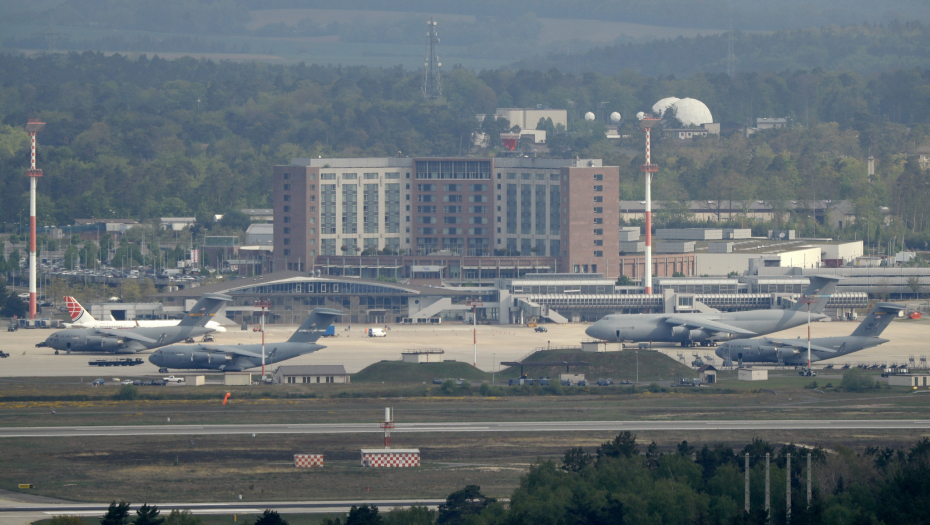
(432, 81)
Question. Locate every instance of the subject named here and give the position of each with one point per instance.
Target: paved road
(295, 507)
(539, 426)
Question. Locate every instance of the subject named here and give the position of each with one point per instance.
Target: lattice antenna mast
(432, 80)
(731, 55)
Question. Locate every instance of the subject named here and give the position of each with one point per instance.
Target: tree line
(149, 138)
(621, 483)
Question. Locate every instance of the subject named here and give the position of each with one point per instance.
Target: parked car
(541, 329)
(12, 328)
(98, 382)
(127, 382)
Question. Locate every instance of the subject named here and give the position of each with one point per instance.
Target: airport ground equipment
(125, 361)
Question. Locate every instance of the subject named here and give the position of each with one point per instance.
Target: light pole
(493, 365)
(637, 366)
(263, 304)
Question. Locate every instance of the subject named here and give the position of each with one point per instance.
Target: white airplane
(81, 318)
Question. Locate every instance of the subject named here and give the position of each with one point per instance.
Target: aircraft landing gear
(56, 352)
(162, 370)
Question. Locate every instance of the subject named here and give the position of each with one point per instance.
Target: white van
(376, 332)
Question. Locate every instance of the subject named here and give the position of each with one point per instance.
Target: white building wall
(847, 251)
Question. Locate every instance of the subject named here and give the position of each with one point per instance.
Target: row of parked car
(134, 382)
(545, 381)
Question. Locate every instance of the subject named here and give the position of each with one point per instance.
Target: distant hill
(400, 372)
(653, 366)
(860, 48)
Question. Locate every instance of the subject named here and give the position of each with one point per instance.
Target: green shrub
(811, 386)
(128, 393)
(856, 380)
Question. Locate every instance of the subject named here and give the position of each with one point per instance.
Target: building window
(599, 242)
(598, 209)
(598, 220)
(287, 176)
(287, 241)
(287, 252)
(327, 176)
(313, 186)
(312, 198)
(287, 187)
(598, 253)
(599, 198)
(599, 187)
(287, 198)
(349, 176)
(312, 208)
(287, 230)
(598, 231)
(598, 176)
(287, 219)
(371, 176)
(287, 208)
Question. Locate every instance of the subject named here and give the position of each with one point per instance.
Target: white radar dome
(692, 112)
(640, 115)
(589, 116)
(615, 117)
(659, 107)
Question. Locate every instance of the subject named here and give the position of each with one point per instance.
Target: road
(17, 509)
(506, 426)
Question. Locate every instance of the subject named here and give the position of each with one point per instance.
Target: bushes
(128, 393)
(857, 380)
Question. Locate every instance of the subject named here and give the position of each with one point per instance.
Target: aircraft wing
(800, 344)
(126, 334)
(227, 349)
(711, 326)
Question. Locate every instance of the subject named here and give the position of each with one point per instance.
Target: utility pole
(263, 304)
(788, 488)
(747, 482)
(808, 480)
(768, 495)
(432, 81)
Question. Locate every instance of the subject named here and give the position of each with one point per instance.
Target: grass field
(236, 519)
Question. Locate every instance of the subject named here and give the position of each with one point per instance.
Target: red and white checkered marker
(308, 460)
(391, 458)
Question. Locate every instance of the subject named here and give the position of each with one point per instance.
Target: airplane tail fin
(204, 311)
(819, 290)
(76, 311)
(314, 326)
(878, 320)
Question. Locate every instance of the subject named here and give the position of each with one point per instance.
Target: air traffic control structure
(387, 456)
(648, 121)
(33, 127)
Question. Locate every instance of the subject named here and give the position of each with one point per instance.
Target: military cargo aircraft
(132, 340)
(235, 358)
(794, 351)
(707, 329)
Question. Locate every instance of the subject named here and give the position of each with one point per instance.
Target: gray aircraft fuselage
(654, 328)
(213, 357)
(763, 351)
(91, 340)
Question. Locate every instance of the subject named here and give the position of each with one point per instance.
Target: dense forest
(231, 16)
(861, 48)
(149, 138)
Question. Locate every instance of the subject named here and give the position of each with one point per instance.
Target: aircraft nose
(596, 330)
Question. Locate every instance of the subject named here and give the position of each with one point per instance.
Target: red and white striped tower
(263, 304)
(648, 121)
(33, 126)
(387, 425)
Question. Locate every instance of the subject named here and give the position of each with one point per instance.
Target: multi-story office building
(562, 210)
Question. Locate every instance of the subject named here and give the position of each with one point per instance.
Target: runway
(295, 507)
(519, 426)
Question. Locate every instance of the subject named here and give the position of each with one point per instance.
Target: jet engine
(787, 353)
(684, 334)
(210, 358)
(105, 343)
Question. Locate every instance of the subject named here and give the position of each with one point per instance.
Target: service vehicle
(376, 332)
(172, 379)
